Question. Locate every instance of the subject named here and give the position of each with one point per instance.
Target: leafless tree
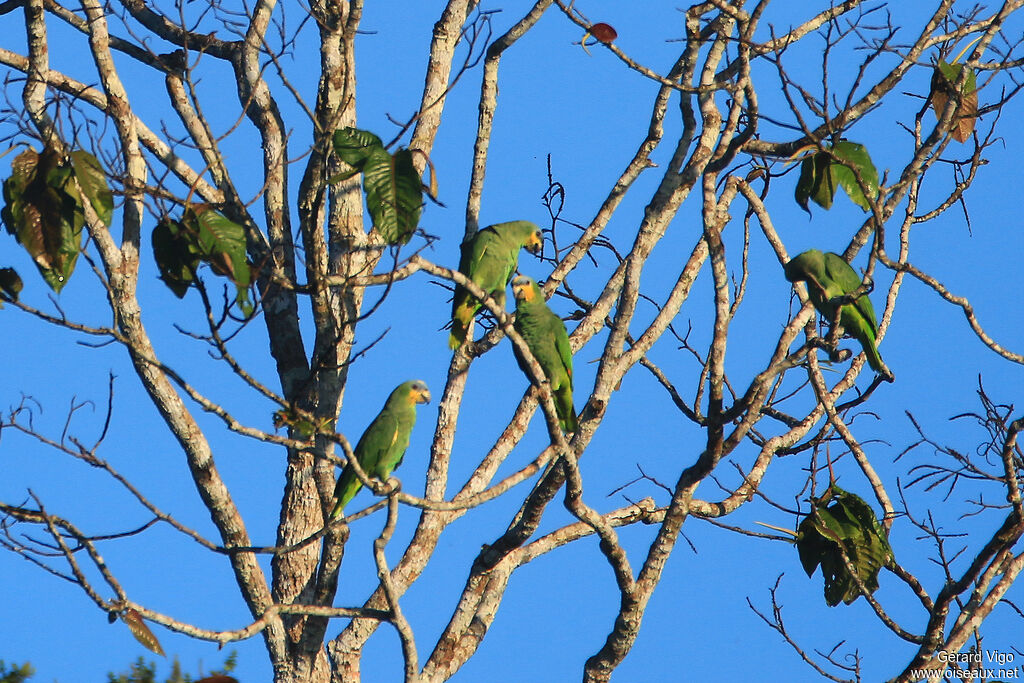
(313, 252)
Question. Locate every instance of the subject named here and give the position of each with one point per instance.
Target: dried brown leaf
(141, 632)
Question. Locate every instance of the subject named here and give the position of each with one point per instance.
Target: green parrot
(544, 332)
(382, 445)
(489, 259)
(828, 276)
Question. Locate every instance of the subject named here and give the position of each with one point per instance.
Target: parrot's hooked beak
(421, 395)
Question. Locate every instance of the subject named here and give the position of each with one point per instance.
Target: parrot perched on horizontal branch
(382, 445)
(828, 278)
(544, 332)
(489, 259)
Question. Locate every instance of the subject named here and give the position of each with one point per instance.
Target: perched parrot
(489, 259)
(382, 445)
(828, 276)
(544, 332)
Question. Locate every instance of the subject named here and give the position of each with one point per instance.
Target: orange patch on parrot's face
(420, 394)
(523, 292)
(535, 242)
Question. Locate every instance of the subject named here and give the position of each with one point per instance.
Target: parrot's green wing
(385, 446)
(545, 334)
(492, 262)
(382, 446)
(828, 277)
(489, 259)
(563, 389)
(848, 280)
(858, 319)
(562, 347)
(489, 266)
(373, 448)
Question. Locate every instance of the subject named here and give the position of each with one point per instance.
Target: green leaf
(815, 182)
(141, 632)
(222, 242)
(354, 146)
(202, 235)
(823, 172)
(951, 73)
(44, 214)
(222, 245)
(854, 155)
(393, 188)
(23, 170)
(944, 78)
(93, 182)
(15, 674)
(394, 195)
(812, 545)
(847, 526)
(176, 254)
(10, 283)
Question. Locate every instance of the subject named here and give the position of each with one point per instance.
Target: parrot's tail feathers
(569, 425)
(871, 351)
(887, 375)
(462, 318)
(875, 359)
(566, 414)
(347, 488)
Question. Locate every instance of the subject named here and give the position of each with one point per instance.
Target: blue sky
(589, 113)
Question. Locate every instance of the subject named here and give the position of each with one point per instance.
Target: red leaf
(603, 32)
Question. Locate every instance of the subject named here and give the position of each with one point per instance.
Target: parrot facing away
(489, 259)
(382, 445)
(828, 277)
(544, 332)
